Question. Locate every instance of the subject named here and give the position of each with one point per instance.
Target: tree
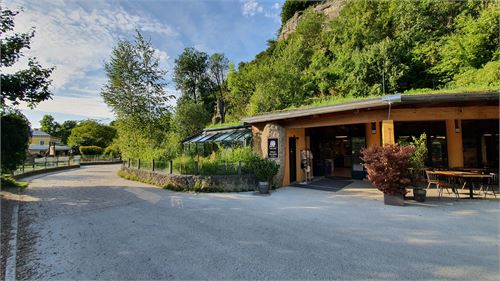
(136, 93)
(218, 66)
(290, 7)
(91, 132)
(190, 118)
(49, 125)
(64, 130)
(190, 74)
(29, 85)
(15, 138)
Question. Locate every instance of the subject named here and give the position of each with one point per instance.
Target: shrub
(264, 169)
(112, 150)
(91, 150)
(387, 167)
(15, 139)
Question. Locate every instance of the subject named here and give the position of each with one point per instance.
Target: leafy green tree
(15, 138)
(290, 7)
(49, 125)
(190, 118)
(64, 130)
(29, 85)
(190, 74)
(218, 66)
(92, 133)
(136, 93)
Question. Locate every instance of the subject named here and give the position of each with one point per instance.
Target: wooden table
(465, 176)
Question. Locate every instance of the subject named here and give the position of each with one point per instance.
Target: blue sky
(78, 36)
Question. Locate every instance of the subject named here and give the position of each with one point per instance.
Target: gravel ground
(90, 224)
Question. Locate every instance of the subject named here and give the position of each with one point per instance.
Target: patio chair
(433, 179)
(491, 185)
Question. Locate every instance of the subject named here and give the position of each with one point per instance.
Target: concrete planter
(394, 200)
(419, 194)
(263, 187)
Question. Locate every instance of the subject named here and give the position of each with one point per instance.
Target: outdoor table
(466, 176)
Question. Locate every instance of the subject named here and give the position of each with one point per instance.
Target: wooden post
(129, 162)
(454, 143)
(153, 165)
(196, 167)
(171, 166)
(138, 164)
(33, 164)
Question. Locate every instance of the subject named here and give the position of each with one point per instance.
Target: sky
(77, 37)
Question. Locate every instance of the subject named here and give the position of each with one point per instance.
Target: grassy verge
(10, 182)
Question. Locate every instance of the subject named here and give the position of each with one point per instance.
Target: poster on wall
(272, 148)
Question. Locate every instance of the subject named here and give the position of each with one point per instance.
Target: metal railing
(189, 168)
(37, 164)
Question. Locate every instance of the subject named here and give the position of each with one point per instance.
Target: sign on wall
(387, 132)
(272, 148)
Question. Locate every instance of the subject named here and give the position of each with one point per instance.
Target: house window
(42, 142)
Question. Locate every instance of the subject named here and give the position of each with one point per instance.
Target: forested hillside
(371, 48)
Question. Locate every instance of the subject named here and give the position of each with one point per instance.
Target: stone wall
(274, 130)
(215, 183)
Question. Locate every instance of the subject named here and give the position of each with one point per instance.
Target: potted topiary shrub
(264, 170)
(417, 167)
(387, 168)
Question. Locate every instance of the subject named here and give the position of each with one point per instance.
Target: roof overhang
(373, 103)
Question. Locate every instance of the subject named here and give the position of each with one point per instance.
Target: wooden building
(462, 131)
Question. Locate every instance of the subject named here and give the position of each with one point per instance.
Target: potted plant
(264, 170)
(417, 167)
(387, 168)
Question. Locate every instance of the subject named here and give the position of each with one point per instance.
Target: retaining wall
(45, 171)
(198, 183)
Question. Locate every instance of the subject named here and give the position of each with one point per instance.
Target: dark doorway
(336, 150)
(480, 143)
(292, 153)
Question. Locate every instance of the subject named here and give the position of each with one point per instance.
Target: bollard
(129, 162)
(138, 164)
(153, 165)
(171, 166)
(57, 160)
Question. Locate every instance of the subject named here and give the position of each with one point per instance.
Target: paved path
(89, 224)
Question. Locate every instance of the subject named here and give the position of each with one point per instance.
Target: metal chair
(491, 184)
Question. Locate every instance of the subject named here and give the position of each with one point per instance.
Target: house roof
(39, 133)
(46, 147)
(373, 103)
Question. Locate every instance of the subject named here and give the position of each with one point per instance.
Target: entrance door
(292, 153)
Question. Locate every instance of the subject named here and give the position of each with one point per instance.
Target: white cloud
(77, 39)
(252, 7)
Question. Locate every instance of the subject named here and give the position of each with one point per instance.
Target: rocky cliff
(330, 9)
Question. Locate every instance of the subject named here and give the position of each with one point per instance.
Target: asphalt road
(90, 224)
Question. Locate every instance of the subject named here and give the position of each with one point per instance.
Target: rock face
(275, 131)
(330, 9)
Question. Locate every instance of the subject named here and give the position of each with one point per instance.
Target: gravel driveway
(88, 223)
